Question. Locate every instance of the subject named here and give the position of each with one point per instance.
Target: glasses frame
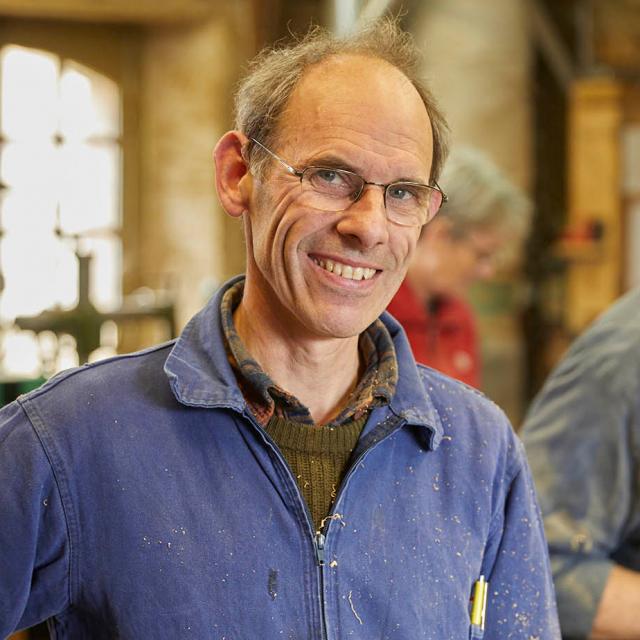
(300, 174)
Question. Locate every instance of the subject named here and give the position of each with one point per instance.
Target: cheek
(272, 224)
(403, 246)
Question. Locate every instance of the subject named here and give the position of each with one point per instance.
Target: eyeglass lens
(335, 190)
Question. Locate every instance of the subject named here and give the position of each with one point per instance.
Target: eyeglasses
(411, 204)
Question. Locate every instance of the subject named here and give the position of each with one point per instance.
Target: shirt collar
(376, 386)
(201, 375)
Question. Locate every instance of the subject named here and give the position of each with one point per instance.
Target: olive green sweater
(318, 456)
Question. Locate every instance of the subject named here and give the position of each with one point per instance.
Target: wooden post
(594, 276)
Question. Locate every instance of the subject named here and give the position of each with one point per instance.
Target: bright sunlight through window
(60, 174)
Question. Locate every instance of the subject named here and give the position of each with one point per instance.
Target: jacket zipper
(319, 538)
(319, 545)
(319, 542)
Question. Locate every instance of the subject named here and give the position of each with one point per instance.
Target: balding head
(274, 74)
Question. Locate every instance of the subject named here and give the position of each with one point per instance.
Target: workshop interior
(111, 235)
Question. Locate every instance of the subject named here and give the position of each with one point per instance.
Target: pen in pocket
(479, 606)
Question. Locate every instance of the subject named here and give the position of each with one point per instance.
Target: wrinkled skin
(366, 115)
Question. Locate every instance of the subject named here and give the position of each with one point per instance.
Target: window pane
(40, 272)
(20, 354)
(60, 163)
(29, 93)
(31, 166)
(24, 208)
(90, 187)
(90, 104)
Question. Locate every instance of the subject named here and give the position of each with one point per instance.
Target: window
(60, 173)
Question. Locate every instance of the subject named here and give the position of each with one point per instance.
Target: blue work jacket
(140, 499)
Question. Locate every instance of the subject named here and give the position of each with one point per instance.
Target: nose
(366, 219)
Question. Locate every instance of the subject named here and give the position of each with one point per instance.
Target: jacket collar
(412, 400)
(200, 374)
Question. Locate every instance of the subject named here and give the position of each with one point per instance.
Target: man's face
(355, 113)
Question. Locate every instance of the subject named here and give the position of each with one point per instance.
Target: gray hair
(274, 73)
(481, 196)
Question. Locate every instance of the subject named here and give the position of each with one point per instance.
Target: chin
(343, 327)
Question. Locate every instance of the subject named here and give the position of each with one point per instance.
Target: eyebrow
(330, 162)
(335, 162)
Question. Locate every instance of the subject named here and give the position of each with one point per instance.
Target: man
(582, 435)
(284, 469)
(484, 217)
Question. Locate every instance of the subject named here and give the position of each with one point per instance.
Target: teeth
(346, 271)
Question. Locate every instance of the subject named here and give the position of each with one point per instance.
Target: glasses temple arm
(286, 165)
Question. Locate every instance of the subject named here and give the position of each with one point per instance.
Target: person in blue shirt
(284, 469)
(582, 434)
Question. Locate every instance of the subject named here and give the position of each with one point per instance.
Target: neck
(320, 372)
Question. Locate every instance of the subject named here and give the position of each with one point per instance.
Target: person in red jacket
(484, 217)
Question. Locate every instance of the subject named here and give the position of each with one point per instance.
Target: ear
(233, 180)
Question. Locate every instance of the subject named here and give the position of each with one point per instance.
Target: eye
(330, 176)
(402, 192)
(331, 181)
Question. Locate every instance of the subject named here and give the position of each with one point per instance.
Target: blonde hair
(274, 73)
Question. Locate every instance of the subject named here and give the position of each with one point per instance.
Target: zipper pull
(319, 545)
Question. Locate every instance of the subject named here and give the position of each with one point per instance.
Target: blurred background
(111, 236)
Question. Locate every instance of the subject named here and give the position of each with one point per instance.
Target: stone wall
(477, 59)
(188, 76)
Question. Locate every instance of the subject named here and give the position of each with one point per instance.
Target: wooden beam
(617, 35)
(595, 119)
(138, 11)
(551, 46)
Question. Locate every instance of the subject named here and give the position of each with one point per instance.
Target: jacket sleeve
(34, 549)
(521, 600)
(578, 442)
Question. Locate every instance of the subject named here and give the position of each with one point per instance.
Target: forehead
(363, 109)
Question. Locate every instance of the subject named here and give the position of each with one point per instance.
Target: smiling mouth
(345, 271)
